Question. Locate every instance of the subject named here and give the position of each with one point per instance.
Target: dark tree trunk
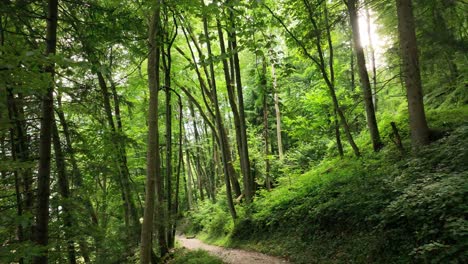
(266, 131)
(167, 63)
(180, 161)
(43, 176)
(411, 73)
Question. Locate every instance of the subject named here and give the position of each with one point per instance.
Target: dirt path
(229, 255)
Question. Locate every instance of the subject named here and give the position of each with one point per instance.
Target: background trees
(160, 108)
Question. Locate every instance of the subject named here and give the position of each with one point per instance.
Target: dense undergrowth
(385, 207)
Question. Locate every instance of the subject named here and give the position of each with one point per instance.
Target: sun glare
(369, 35)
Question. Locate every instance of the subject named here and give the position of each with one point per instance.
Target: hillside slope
(382, 208)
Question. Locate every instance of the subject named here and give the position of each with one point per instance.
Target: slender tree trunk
(43, 176)
(266, 131)
(365, 83)
(189, 179)
(277, 111)
(219, 122)
(352, 73)
(339, 145)
(153, 177)
(235, 112)
(249, 181)
(409, 55)
(63, 188)
(180, 161)
(197, 152)
(130, 210)
(168, 106)
(372, 59)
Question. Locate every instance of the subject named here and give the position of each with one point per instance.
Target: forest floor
(230, 255)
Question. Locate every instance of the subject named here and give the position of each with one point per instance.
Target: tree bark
(249, 181)
(266, 131)
(167, 63)
(43, 176)
(364, 76)
(153, 177)
(232, 102)
(219, 122)
(411, 73)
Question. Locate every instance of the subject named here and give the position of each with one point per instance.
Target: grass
(183, 256)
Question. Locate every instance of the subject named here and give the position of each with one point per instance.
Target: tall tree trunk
(411, 73)
(63, 188)
(153, 177)
(249, 181)
(43, 176)
(364, 76)
(167, 81)
(180, 161)
(232, 102)
(266, 131)
(219, 122)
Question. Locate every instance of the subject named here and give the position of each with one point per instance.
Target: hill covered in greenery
(384, 208)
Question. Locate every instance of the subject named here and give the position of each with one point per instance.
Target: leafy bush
(210, 218)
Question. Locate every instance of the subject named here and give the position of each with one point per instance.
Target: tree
(153, 176)
(411, 74)
(364, 76)
(42, 211)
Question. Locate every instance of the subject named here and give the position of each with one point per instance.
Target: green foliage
(194, 257)
(213, 219)
(382, 208)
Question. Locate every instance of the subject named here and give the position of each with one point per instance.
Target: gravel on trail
(230, 255)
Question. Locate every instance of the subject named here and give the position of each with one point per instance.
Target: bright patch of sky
(379, 42)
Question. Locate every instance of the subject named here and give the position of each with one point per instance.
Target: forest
(308, 131)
